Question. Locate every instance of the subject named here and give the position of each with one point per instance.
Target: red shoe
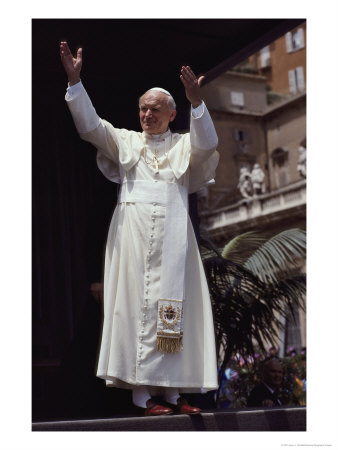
(184, 408)
(154, 409)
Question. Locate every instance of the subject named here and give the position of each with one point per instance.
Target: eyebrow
(154, 106)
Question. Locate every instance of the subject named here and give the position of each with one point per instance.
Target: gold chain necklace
(156, 161)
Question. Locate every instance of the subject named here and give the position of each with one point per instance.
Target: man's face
(155, 114)
(273, 374)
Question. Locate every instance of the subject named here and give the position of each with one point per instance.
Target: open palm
(71, 65)
(192, 85)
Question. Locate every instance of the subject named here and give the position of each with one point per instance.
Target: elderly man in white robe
(158, 335)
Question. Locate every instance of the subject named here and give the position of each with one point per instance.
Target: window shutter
(288, 41)
(300, 38)
(265, 56)
(292, 81)
(235, 134)
(237, 98)
(300, 78)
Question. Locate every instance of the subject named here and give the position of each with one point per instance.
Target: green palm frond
(254, 282)
(292, 291)
(244, 308)
(277, 255)
(242, 246)
(247, 311)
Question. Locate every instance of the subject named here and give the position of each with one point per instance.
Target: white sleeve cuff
(198, 112)
(74, 91)
(202, 131)
(81, 108)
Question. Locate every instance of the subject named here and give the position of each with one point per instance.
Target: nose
(148, 113)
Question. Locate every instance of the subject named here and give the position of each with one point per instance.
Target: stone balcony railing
(278, 203)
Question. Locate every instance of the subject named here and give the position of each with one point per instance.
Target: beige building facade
(283, 62)
(259, 111)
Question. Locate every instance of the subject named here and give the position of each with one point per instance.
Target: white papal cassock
(132, 274)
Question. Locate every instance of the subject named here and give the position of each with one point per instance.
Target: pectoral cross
(155, 163)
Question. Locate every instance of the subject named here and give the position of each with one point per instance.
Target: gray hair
(171, 101)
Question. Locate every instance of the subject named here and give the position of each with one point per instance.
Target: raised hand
(71, 65)
(192, 86)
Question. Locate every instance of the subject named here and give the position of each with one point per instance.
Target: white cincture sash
(170, 306)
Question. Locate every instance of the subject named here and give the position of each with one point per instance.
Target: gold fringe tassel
(169, 345)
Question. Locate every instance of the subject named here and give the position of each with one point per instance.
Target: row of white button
(147, 283)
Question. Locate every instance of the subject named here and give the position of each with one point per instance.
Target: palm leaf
(244, 309)
(242, 246)
(277, 255)
(250, 297)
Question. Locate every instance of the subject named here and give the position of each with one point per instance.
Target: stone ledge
(286, 200)
(251, 419)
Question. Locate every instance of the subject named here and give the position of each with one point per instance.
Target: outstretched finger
(64, 49)
(186, 81)
(189, 74)
(79, 54)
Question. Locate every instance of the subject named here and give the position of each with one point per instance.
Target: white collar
(157, 137)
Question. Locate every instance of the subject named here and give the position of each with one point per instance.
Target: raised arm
(202, 131)
(88, 124)
(71, 65)
(203, 138)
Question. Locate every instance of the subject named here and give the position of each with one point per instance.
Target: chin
(148, 128)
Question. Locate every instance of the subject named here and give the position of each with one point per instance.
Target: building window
(296, 80)
(242, 138)
(265, 59)
(294, 40)
(240, 135)
(237, 98)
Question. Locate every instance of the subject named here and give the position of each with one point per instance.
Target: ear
(172, 116)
